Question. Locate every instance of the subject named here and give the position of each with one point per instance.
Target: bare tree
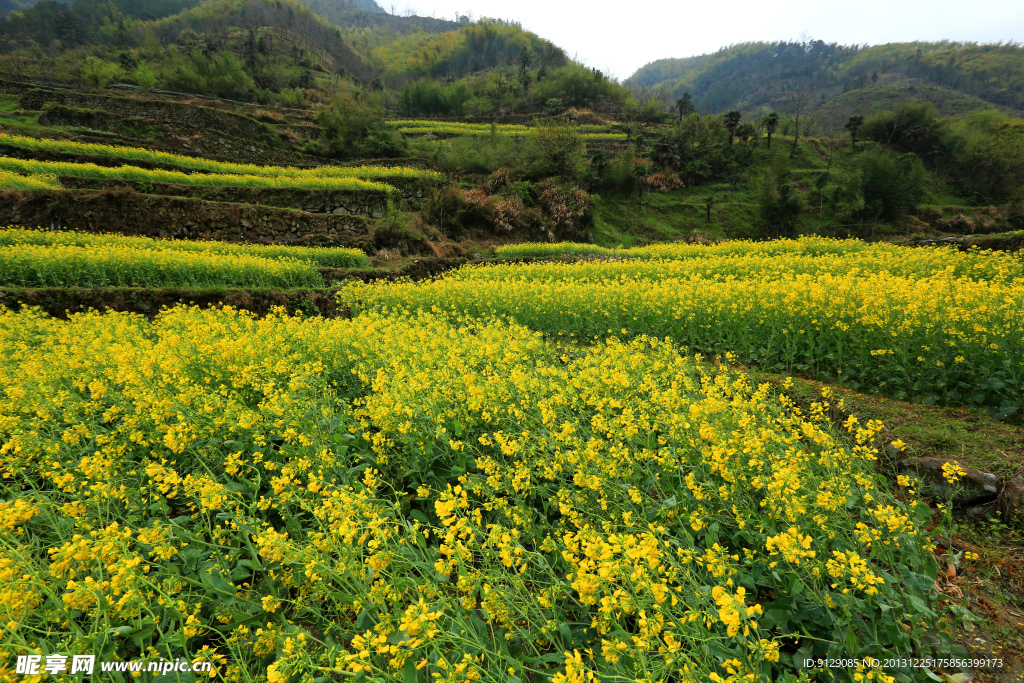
(13, 62)
(799, 104)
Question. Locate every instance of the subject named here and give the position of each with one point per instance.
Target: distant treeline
(760, 73)
(281, 52)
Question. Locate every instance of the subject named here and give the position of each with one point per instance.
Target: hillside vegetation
(755, 76)
(291, 55)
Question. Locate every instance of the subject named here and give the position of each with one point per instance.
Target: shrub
(779, 206)
(890, 186)
(557, 149)
(348, 120)
(567, 210)
(913, 127)
(144, 76)
(99, 73)
(554, 106)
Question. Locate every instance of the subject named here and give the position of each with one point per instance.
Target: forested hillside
(370, 27)
(763, 75)
(297, 55)
(867, 140)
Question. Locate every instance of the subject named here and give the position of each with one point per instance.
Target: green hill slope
(868, 101)
(268, 51)
(483, 45)
(367, 28)
(763, 75)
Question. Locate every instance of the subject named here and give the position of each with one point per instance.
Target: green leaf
(211, 577)
(409, 673)
(956, 678)
(122, 631)
(774, 617)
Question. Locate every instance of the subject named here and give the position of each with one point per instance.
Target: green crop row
(455, 128)
(17, 181)
(28, 265)
(207, 165)
(322, 257)
(415, 125)
(943, 338)
(145, 175)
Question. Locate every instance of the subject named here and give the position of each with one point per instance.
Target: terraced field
(934, 325)
(423, 127)
(516, 472)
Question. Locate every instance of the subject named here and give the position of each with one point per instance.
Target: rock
(1011, 498)
(973, 486)
(888, 456)
(981, 512)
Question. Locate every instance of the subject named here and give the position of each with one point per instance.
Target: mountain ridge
(763, 76)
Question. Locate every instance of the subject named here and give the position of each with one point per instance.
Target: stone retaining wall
(153, 110)
(130, 213)
(335, 202)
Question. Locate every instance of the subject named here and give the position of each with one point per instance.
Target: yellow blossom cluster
(56, 265)
(17, 181)
(422, 497)
(323, 257)
(950, 325)
(33, 167)
(791, 545)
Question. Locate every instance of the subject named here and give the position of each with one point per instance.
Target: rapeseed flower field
(421, 127)
(323, 257)
(931, 325)
(146, 175)
(106, 265)
(17, 181)
(207, 165)
(804, 246)
(430, 497)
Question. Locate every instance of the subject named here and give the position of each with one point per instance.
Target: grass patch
(967, 435)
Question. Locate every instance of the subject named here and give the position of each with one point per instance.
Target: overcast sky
(620, 37)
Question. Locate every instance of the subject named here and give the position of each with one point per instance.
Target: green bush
(99, 73)
(472, 153)
(779, 206)
(891, 187)
(988, 153)
(353, 124)
(557, 149)
(144, 76)
(912, 127)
